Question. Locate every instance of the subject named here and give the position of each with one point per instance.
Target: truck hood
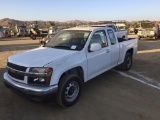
(39, 57)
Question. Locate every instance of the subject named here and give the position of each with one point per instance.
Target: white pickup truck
(119, 33)
(71, 58)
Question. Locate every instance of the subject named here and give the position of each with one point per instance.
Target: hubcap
(71, 91)
(128, 62)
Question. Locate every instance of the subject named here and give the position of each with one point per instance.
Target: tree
(144, 21)
(52, 23)
(136, 25)
(44, 26)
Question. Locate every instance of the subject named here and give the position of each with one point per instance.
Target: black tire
(68, 95)
(126, 65)
(139, 38)
(33, 37)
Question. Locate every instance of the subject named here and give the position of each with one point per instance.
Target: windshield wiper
(62, 46)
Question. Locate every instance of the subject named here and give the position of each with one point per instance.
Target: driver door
(99, 60)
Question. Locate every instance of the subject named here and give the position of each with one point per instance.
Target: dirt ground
(114, 95)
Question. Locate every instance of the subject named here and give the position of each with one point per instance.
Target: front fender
(61, 66)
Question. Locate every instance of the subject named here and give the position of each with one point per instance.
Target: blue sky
(92, 10)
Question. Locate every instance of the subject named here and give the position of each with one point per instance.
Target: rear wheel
(139, 38)
(69, 90)
(33, 37)
(126, 65)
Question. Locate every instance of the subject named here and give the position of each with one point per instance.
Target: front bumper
(39, 91)
(146, 35)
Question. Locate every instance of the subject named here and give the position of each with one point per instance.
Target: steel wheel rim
(71, 91)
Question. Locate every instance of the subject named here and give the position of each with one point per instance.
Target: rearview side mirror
(95, 47)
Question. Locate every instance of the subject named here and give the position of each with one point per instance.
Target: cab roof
(102, 25)
(86, 28)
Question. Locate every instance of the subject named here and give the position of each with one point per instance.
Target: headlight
(42, 76)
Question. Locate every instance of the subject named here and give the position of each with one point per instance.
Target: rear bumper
(146, 35)
(37, 91)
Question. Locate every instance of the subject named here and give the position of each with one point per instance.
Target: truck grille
(16, 67)
(16, 76)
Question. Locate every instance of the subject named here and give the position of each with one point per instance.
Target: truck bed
(126, 44)
(121, 39)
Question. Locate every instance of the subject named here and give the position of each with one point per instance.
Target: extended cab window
(100, 37)
(111, 37)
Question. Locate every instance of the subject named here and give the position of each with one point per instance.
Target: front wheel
(69, 90)
(33, 37)
(126, 65)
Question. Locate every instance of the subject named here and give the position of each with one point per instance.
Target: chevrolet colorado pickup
(71, 58)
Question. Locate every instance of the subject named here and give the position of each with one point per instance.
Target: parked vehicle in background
(51, 33)
(121, 26)
(1, 32)
(157, 29)
(21, 31)
(7, 33)
(148, 29)
(71, 58)
(131, 29)
(53, 30)
(119, 33)
(44, 40)
(36, 32)
(135, 30)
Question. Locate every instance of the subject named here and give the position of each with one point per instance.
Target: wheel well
(130, 51)
(76, 71)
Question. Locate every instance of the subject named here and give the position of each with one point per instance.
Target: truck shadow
(89, 88)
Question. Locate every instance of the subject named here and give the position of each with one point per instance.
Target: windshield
(69, 39)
